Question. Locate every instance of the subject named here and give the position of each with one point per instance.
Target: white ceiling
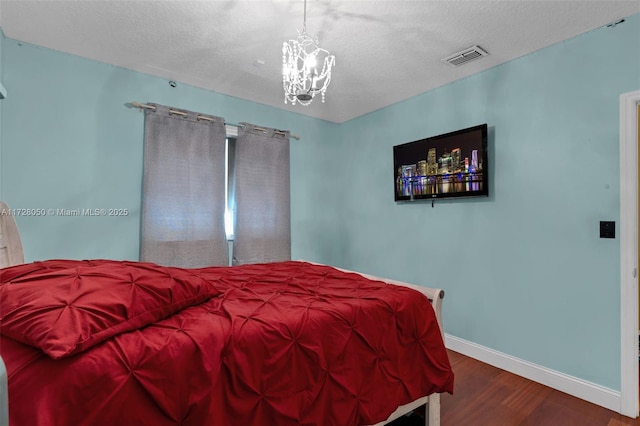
(386, 51)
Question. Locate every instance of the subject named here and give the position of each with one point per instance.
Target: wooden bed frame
(11, 253)
(10, 244)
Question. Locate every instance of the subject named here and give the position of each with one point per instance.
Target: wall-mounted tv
(449, 165)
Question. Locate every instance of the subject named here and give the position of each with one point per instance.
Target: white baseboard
(574, 386)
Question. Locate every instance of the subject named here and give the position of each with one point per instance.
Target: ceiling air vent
(465, 56)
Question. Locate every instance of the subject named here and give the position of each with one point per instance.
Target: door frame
(629, 253)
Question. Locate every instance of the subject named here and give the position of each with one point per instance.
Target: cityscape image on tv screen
(449, 165)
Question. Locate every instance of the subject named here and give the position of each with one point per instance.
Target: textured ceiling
(386, 51)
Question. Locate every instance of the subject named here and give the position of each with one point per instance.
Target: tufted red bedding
(291, 343)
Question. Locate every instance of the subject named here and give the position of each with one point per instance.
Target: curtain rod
(204, 117)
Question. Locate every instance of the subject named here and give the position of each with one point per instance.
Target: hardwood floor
(487, 396)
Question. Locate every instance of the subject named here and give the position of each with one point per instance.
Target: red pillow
(66, 307)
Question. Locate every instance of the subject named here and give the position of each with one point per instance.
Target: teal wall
(524, 270)
(71, 143)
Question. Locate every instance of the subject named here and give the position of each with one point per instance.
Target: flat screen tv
(444, 166)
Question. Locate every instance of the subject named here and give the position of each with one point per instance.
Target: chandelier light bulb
(310, 62)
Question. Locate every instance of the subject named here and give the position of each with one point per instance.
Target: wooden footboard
(435, 296)
(4, 396)
(10, 244)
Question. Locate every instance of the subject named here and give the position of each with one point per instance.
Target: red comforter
(126, 343)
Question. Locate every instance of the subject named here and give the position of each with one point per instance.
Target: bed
(89, 342)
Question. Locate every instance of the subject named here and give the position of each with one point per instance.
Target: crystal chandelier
(306, 68)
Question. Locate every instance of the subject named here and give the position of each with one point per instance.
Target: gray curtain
(262, 222)
(183, 189)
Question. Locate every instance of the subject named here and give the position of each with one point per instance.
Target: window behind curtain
(230, 207)
(183, 196)
(261, 188)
